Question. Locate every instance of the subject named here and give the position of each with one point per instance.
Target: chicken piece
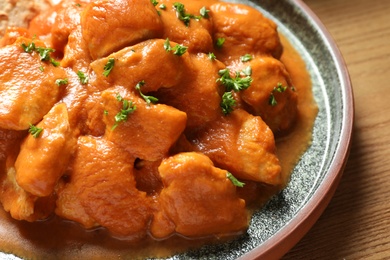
(27, 85)
(76, 55)
(12, 34)
(194, 33)
(102, 21)
(9, 145)
(43, 159)
(245, 30)
(75, 96)
(199, 94)
(148, 61)
(271, 94)
(197, 200)
(21, 204)
(66, 21)
(102, 182)
(241, 144)
(148, 132)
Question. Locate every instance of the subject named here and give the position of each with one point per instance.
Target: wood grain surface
(356, 224)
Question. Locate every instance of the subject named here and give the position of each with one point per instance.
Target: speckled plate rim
(280, 243)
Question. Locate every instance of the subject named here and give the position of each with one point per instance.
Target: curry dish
(148, 120)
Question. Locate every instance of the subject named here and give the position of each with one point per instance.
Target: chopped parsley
(35, 131)
(212, 56)
(233, 179)
(219, 43)
(183, 16)
(148, 99)
(246, 57)
(204, 12)
(28, 48)
(82, 77)
(154, 2)
(162, 7)
(60, 82)
(228, 103)
(237, 83)
(181, 13)
(44, 53)
(127, 108)
(178, 50)
(280, 89)
(109, 66)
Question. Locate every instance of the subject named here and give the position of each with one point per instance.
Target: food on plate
(149, 120)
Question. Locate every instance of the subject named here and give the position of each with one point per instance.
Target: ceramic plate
(288, 216)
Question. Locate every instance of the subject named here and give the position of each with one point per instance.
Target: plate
(283, 221)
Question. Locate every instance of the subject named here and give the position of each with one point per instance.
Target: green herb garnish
(178, 50)
(109, 66)
(228, 103)
(233, 179)
(204, 12)
(219, 43)
(35, 131)
(237, 83)
(60, 82)
(246, 57)
(82, 77)
(148, 99)
(280, 89)
(212, 56)
(127, 108)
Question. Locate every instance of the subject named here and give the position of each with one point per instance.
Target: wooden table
(356, 224)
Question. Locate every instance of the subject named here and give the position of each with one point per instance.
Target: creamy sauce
(66, 240)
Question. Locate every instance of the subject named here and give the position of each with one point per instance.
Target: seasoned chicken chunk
(198, 94)
(271, 94)
(21, 204)
(197, 199)
(194, 33)
(257, 35)
(147, 61)
(241, 144)
(102, 21)
(27, 85)
(67, 19)
(102, 182)
(148, 132)
(43, 159)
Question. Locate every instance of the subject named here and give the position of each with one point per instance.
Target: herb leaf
(212, 56)
(219, 43)
(204, 12)
(237, 83)
(280, 89)
(178, 50)
(109, 66)
(246, 57)
(127, 108)
(28, 48)
(233, 179)
(35, 131)
(148, 99)
(228, 103)
(83, 78)
(154, 2)
(60, 82)
(181, 13)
